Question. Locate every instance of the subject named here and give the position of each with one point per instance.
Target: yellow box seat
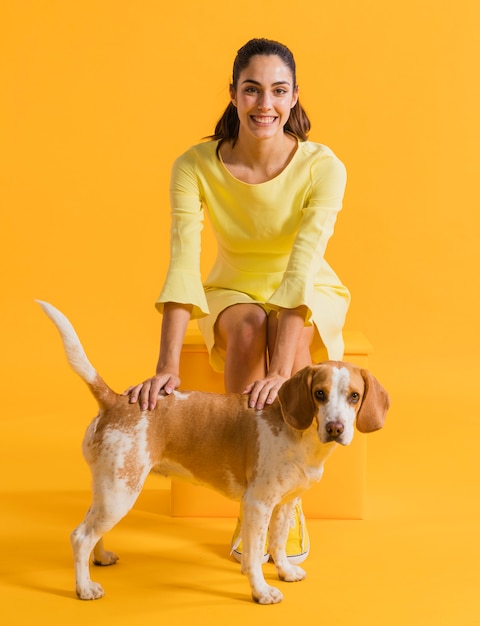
(341, 492)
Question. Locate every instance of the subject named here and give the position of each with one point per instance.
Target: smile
(264, 120)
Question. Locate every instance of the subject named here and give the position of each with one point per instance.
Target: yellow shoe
(236, 546)
(298, 542)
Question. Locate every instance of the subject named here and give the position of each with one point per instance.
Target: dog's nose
(334, 429)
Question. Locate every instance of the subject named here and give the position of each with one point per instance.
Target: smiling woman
(263, 50)
(263, 100)
(270, 301)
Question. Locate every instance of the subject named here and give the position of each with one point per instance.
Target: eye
(320, 395)
(354, 397)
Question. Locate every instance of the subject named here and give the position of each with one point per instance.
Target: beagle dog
(264, 458)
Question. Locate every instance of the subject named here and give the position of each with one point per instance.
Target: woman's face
(264, 96)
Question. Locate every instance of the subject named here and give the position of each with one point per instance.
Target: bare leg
(241, 331)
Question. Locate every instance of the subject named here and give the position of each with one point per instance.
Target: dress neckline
(265, 182)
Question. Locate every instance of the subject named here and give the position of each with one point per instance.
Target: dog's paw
(105, 558)
(291, 573)
(267, 595)
(92, 591)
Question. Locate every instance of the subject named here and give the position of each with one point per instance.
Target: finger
(255, 391)
(155, 388)
(272, 395)
(248, 388)
(266, 393)
(263, 397)
(133, 392)
(128, 391)
(170, 386)
(144, 396)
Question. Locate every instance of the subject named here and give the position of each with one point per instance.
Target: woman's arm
(293, 296)
(183, 283)
(291, 325)
(328, 178)
(174, 325)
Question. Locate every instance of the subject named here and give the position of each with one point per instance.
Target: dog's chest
(295, 459)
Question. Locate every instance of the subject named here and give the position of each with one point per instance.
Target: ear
(375, 404)
(295, 96)
(296, 401)
(233, 95)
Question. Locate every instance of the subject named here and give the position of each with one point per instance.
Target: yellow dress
(271, 241)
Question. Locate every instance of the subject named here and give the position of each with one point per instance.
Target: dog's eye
(320, 395)
(354, 397)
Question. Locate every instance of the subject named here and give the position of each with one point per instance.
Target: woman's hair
(228, 125)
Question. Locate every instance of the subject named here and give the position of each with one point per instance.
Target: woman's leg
(298, 542)
(241, 332)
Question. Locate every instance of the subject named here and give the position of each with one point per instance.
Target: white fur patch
(129, 452)
(74, 349)
(181, 395)
(338, 407)
(275, 453)
(340, 383)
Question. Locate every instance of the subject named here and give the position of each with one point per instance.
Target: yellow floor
(414, 560)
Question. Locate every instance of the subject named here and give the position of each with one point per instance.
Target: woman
(270, 300)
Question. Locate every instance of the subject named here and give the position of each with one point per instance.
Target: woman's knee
(242, 326)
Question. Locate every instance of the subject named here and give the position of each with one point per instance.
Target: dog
(264, 458)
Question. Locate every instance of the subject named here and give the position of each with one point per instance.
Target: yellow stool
(341, 492)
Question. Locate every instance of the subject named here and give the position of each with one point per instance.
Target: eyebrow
(256, 82)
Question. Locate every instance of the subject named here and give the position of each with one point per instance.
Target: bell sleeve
(183, 283)
(323, 203)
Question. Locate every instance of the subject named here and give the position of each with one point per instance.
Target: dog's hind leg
(101, 556)
(109, 506)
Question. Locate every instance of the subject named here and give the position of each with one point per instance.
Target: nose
(264, 103)
(334, 429)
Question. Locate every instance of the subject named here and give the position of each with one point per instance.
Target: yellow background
(97, 99)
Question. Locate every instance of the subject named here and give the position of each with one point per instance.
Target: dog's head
(338, 394)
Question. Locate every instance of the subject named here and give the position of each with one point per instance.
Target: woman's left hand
(264, 391)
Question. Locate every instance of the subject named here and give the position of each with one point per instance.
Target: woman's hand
(147, 392)
(264, 391)
(174, 324)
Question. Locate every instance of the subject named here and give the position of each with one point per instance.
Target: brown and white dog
(264, 458)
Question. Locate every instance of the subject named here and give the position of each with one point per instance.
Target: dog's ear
(296, 401)
(375, 404)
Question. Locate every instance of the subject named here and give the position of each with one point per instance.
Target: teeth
(263, 120)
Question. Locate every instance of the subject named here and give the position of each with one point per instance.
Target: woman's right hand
(174, 324)
(147, 393)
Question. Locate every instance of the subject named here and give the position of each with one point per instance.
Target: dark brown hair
(228, 125)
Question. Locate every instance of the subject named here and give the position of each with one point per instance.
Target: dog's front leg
(256, 516)
(279, 529)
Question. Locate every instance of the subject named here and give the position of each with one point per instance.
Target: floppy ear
(375, 404)
(296, 401)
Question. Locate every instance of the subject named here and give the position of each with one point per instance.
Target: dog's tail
(77, 358)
